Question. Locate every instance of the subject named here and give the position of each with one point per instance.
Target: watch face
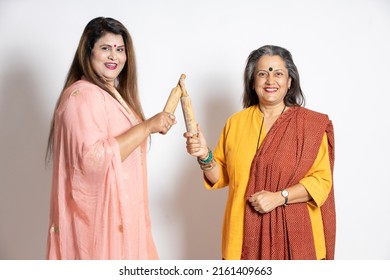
(284, 193)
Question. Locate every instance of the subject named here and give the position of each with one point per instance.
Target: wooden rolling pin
(174, 97)
(186, 106)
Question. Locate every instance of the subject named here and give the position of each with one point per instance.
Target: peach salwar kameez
(99, 204)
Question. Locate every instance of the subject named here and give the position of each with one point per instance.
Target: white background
(341, 49)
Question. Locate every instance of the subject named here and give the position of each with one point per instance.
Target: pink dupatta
(99, 204)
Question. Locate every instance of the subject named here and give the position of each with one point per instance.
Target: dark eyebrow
(108, 45)
(273, 69)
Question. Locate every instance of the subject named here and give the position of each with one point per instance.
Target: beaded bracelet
(209, 166)
(208, 159)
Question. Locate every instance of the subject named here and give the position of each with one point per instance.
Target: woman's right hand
(133, 137)
(196, 144)
(161, 123)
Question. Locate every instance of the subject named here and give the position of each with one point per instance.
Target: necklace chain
(261, 126)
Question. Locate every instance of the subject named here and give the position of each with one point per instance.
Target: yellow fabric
(234, 153)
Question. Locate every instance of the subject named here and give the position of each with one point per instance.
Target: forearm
(212, 175)
(296, 194)
(131, 139)
(209, 166)
(266, 201)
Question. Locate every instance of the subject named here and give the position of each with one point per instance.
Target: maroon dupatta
(283, 159)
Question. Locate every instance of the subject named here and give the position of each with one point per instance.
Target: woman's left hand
(265, 201)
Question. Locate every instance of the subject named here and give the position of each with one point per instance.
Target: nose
(270, 80)
(112, 55)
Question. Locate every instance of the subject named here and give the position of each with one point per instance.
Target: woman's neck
(272, 110)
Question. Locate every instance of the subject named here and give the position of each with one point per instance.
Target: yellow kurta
(234, 153)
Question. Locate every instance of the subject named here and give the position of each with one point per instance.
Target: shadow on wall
(24, 180)
(201, 211)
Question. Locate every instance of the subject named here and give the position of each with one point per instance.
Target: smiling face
(271, 81)
(108, 57)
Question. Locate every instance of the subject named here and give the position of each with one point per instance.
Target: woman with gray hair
(277, 158)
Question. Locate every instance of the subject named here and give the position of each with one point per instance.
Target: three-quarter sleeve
(318, 181)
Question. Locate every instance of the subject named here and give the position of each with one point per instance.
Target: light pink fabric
(99, 205)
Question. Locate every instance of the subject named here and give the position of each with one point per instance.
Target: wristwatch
(284, 193)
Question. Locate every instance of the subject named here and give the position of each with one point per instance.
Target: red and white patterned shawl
(285, 156)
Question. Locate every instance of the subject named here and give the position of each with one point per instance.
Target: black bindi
(270, 69)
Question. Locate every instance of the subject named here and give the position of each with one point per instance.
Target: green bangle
(208, 159)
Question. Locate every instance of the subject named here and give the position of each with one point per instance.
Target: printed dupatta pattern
(285, 156)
